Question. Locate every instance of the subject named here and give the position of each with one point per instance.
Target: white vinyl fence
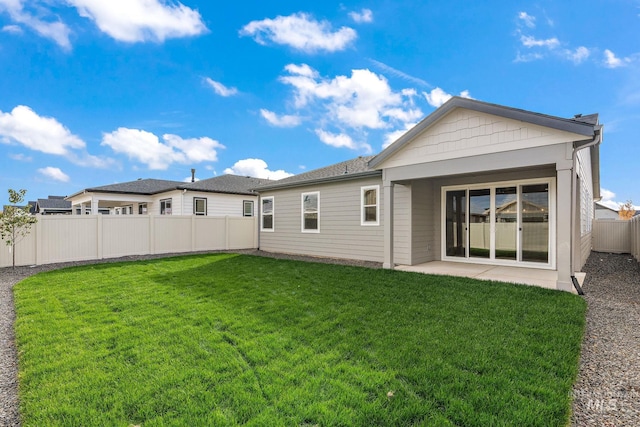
(58, 238)
(616, 236)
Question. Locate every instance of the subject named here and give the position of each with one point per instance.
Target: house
(52, 205)
(605, 212)
(420, 199)
(226, 195)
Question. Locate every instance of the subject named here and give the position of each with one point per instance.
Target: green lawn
(225, 340)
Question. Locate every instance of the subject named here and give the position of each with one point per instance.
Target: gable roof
(350, 169)
(581, 125)
(55, 203)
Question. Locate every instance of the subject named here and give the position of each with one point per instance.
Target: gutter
(577, 146)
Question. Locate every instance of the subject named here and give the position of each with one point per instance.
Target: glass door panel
(480, 223)
(506, 220)
(534, 211)
(456, 223)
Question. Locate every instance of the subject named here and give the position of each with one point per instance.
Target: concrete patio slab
(521, 275)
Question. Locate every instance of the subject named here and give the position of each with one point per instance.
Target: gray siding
(423, 245)
(585, 250)
(402, 223)
(340, 236)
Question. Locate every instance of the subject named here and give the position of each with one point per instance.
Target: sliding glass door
(502, 222)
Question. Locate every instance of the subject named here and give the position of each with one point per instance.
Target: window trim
(302, 212)
(244, 212)
(143, 209)
(363, 190)
(273, 214)
(195, 204)
(164, 201)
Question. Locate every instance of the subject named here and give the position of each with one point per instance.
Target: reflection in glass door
(534, 209)
(456, 223)
(506, 220)
(480, 223)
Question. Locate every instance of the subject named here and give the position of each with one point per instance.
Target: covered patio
(520, 275)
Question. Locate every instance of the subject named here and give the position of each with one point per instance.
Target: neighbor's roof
(581, 125)
(232, 184)
(54, 203)
(350, 169)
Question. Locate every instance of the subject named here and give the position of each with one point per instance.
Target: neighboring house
(421, 198)
(226, 195)
(605, 212)
(53, 205)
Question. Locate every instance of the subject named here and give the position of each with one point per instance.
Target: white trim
(302, 212)
(273, 214)
(550, 265)
(362, 206)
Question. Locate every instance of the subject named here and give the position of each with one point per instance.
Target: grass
(227, 340)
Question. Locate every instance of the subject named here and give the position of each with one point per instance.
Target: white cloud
(336, 140)
(221, 89)
(141, 20)
(530, 41)
(20, 157)
(358, 101)
(283, 121)
(401, 74)
(301, 70)
(437, 96)
(147, 148)
(528, 57)
(55, 30)
(54, 173)
(22, 125)
(16, 29)
(579, 55)
(528, 20)
(612, 61)
(301, 32)
(256, 168)
(365, 15)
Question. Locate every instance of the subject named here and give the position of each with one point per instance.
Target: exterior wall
(423, 222)
(64, 238)
(465, 133)
(402, 223)
(605, 213)
(341, 233)
(182, 202)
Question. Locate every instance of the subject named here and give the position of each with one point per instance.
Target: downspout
(577, 146)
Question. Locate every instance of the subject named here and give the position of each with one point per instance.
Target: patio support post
(563, 230)
(388, 225)
(94, 206)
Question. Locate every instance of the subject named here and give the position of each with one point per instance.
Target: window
(142, 209)
(247, 208)
(127, 210)
(199, 206)
(165, 207)
(267, 214)
(311, 212)
(370, 205)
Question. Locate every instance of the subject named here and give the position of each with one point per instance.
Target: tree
(15, 221)
(627, 211)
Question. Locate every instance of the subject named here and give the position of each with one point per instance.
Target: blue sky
(95, 92)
